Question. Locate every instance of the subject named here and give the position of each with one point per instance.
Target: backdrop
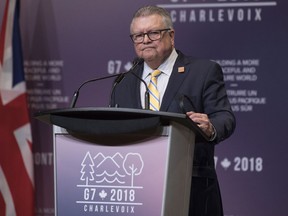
(69, 41)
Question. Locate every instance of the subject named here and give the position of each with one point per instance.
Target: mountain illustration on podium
(116, 169)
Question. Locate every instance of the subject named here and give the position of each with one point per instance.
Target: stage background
(69, 41)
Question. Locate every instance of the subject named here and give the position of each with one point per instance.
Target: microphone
(76, 93)
(118, 80)
(147, 94)
(136, 62)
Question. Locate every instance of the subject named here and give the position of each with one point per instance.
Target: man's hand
(203, 122)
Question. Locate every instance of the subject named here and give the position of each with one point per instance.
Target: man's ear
(172, 35)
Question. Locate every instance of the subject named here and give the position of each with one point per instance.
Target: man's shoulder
(186, 59)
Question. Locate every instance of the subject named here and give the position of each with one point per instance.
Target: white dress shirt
(162, 81)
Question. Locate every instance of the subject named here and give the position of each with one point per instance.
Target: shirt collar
(166, 67)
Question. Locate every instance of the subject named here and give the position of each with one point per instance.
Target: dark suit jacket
(199, 88)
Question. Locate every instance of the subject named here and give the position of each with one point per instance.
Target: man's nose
(146, 39)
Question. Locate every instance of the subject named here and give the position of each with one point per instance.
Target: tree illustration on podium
(133, 165)
(87, 168)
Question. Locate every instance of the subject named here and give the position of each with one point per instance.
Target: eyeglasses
(152, 35)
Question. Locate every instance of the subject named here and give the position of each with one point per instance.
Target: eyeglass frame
(147, 33)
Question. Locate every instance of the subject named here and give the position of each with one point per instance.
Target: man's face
(153, 52)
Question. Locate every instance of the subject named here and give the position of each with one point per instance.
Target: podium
(120, 161)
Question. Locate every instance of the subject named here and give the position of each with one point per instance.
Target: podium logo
(108, 182)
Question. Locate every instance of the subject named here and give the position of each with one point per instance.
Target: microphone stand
(76, 93)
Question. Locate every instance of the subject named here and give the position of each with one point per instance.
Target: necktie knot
(155, 73)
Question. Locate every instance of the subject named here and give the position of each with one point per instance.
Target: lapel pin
(181, 69)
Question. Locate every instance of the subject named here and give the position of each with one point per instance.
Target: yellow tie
(154, 93)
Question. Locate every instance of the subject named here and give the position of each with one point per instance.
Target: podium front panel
(98, 179)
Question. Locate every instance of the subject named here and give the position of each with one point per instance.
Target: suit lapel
(136, 87)
(175, 81)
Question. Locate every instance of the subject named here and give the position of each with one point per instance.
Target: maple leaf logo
(226, 163)
(127, 66)
(103, 194)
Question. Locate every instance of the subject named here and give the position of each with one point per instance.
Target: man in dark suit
(185, 84)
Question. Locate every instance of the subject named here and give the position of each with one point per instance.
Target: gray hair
(152, 10)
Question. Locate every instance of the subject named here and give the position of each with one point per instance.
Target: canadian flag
(16, 159)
